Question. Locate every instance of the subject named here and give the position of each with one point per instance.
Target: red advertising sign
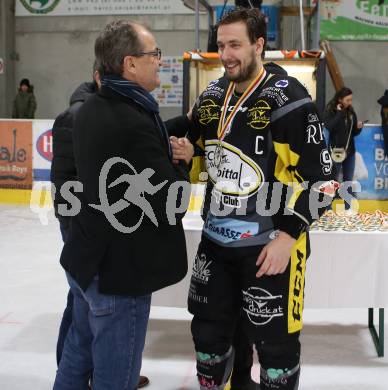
(44, 145)
(16, 154)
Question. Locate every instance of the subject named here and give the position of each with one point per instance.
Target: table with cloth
(346, 269)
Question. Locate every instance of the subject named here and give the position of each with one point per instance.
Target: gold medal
(225, 123)
(218, 155)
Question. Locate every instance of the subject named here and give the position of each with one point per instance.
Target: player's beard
(246, 73)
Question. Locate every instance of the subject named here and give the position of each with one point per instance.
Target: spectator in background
(24, 105)
(383, 101)
(341, 121)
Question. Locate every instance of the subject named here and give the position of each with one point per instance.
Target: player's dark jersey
(267, 172)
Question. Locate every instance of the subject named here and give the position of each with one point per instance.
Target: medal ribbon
(224, 125)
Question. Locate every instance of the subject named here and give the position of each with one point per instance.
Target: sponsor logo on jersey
(208, 111)
(213, 83)
(228, 230)
(235, 174)
(296, 286)
(276, 94)
(313, 118)
(261, 306)
(259, 115)
(194, 296)
(281, 84)
(231, 201)
(201, 270)
(246, 235)
(315, 133)
(239, 109)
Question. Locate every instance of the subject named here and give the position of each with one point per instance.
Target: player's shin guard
(213, 370)
(280, 378)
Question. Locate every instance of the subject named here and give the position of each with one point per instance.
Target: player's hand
(275, 256)
(360, 125)
(182, 149)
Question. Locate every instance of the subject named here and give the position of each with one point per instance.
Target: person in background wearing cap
(24, 105)
(383, 101)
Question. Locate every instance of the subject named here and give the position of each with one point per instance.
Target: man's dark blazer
(152, 257)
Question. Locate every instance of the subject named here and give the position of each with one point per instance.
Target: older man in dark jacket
(63, 170)
(127, 240)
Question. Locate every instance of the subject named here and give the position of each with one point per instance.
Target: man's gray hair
(118, 40)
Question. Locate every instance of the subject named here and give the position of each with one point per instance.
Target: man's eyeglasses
(155, 53)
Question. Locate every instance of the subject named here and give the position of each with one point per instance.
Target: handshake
(182, 149)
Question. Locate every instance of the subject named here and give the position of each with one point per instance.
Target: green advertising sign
(360, 20)
(49, 8)
(39, 6)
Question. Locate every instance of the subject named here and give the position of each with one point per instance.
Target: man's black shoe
(143, 381)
